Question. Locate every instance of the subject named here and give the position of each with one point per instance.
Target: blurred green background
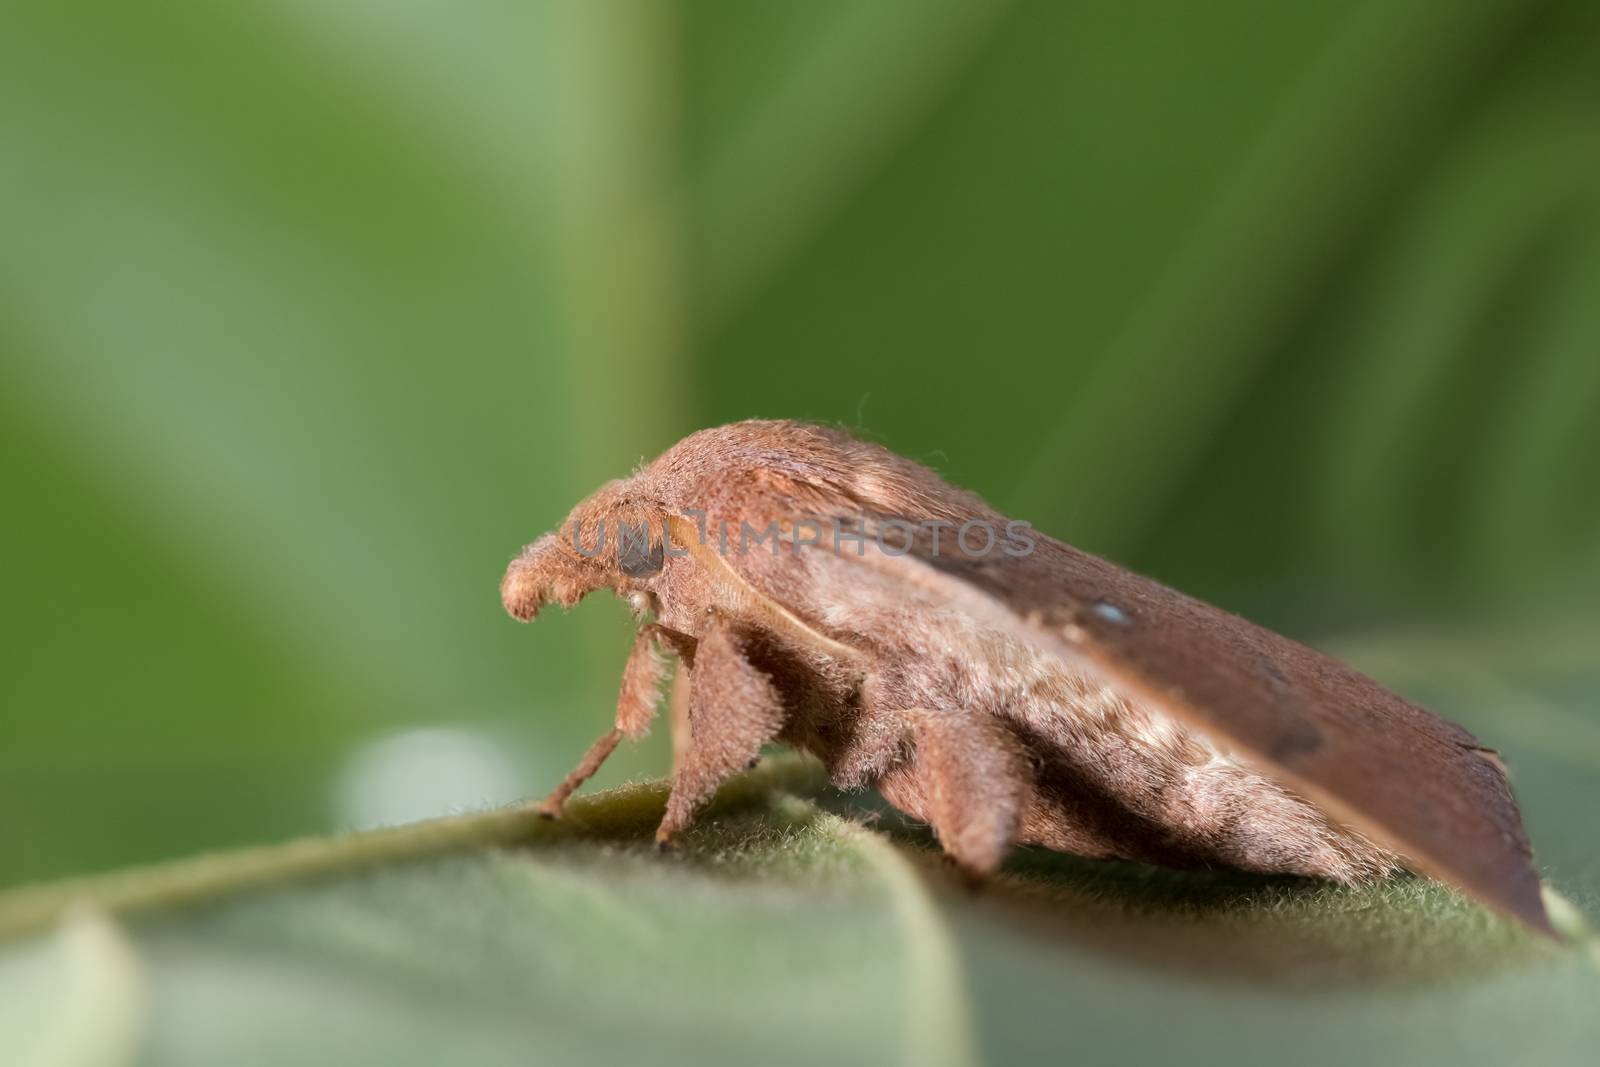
(311, 314)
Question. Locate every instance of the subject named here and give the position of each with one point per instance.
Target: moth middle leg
(637, 700)
(733, 709)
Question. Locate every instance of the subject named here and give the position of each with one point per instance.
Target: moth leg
(678, 714)
(733, 709)
(970, 778)
(636, 707)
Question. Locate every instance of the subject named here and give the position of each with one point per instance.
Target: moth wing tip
(1526, 904)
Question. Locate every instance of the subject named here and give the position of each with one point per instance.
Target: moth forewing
(1376, 763)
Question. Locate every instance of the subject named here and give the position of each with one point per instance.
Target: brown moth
(999, 685)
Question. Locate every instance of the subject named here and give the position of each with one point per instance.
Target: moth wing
(1371, 759)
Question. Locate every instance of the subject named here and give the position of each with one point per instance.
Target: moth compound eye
(641, 560)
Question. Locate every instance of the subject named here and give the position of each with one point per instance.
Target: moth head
(613, 540)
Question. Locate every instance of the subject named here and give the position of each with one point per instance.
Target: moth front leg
(733, 709)
(636, 707)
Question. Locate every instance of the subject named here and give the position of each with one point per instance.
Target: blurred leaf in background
(312, 314)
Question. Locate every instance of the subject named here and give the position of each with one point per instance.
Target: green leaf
(782, 933)
(796, 924)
